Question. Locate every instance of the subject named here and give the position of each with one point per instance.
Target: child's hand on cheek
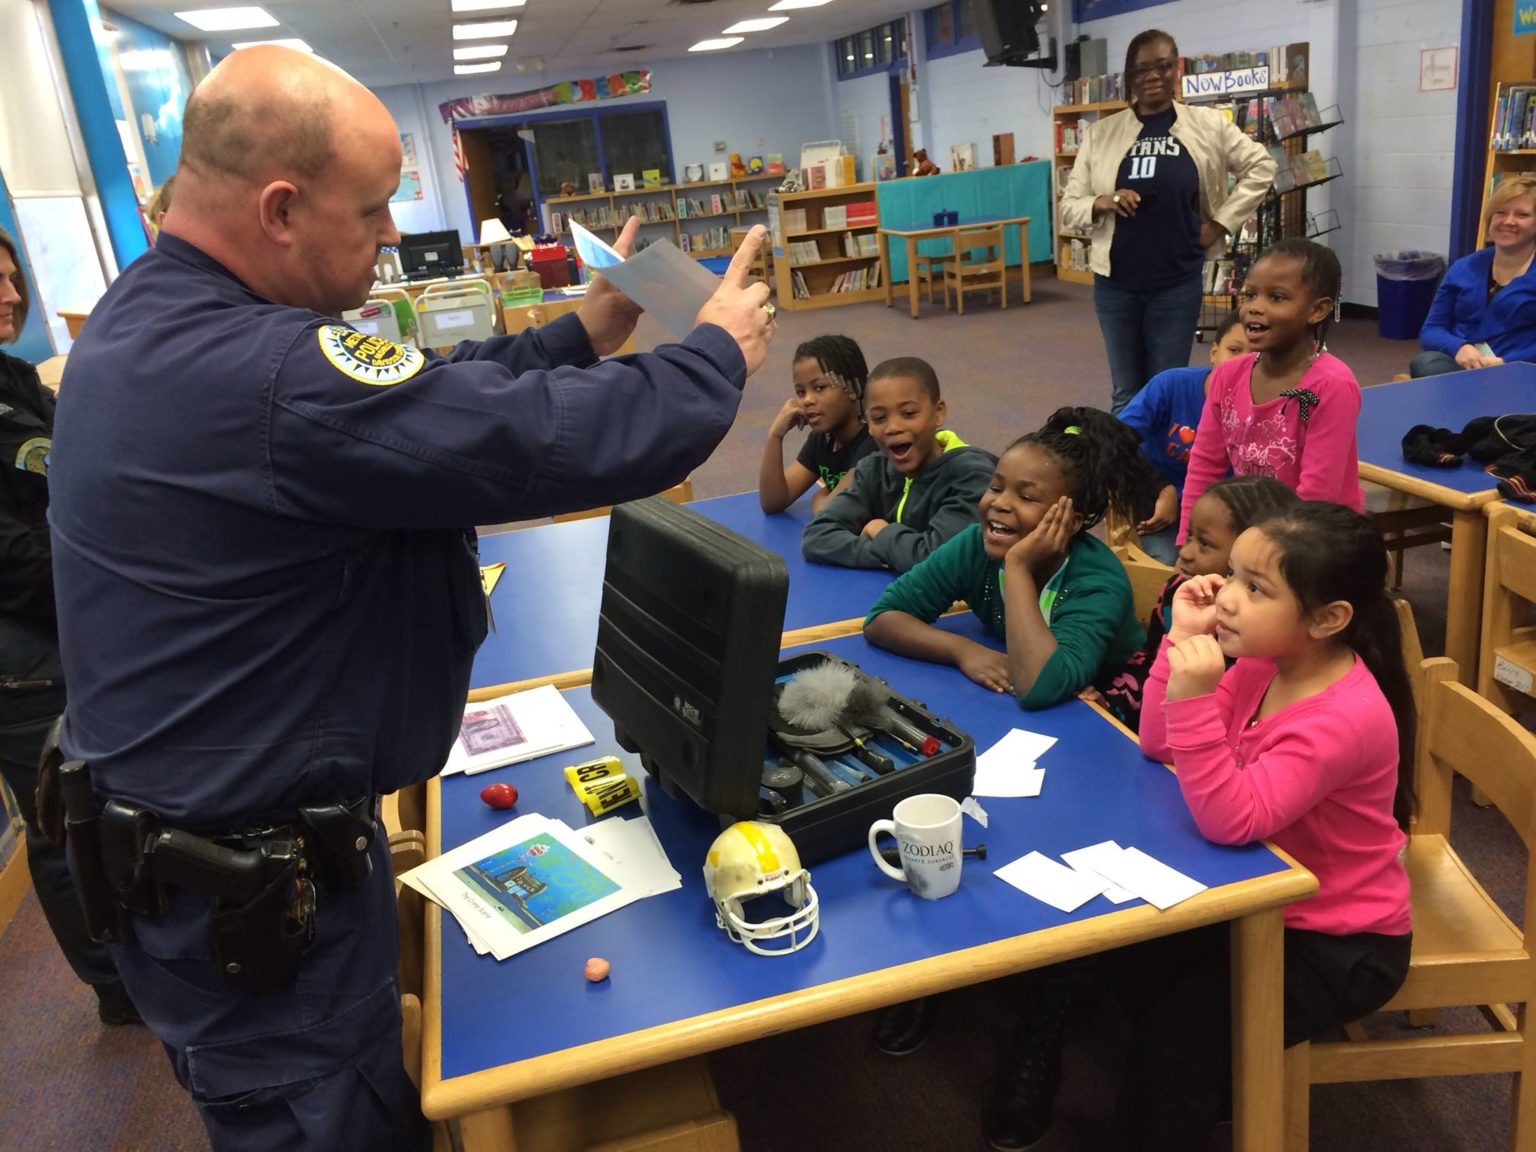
(1195, 667)
(1194, 607)
(790, 417)
(1048, 542)
(987, 666)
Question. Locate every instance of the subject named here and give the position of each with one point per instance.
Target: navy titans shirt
(1160, 245)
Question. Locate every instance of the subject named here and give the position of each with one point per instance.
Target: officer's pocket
(467, 592)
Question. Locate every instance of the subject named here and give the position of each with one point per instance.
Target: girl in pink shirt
(1288, 409)
(1307, 740)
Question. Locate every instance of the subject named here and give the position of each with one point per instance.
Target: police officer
(31, 678)
(268, 587)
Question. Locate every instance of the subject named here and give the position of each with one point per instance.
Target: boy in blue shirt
(1165, 415)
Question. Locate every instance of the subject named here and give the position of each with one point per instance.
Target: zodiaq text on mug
(927, 831)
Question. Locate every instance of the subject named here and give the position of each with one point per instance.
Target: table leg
(912, 275)
(885, 264)
(488, 1131)
(1024, 258)
(1258, 1029)
(1464, 593)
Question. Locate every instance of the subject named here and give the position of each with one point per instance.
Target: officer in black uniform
(268, 584)
(31, 677)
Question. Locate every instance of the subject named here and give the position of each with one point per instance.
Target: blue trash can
(1405, 288)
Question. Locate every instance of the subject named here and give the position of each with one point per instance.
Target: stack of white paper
(513, 728)
(534, 878)
(1009, 769)
(1120, 874)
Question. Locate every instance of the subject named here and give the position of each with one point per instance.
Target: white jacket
(1217, 147)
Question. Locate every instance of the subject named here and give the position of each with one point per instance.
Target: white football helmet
(750, 860)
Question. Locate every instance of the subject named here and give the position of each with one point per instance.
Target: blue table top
(964, 222)
(670, 961)
(1387, 411)
(547, 601)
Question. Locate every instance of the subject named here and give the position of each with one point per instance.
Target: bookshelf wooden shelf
(1072, 247)
(824, 282)
(619, 204)
(1510, 112)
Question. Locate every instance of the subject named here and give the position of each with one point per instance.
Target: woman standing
(31, 678)
(1484, 311)
(1150, 187)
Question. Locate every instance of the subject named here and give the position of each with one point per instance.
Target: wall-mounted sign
(1207, 84)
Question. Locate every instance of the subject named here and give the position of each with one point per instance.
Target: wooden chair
(406, 851)
(1465, 950)
(929, 267)
(979, 265)
(1120, 532)
(1405, 521)
(1507, 650)
(1147, 577)
(678, 494)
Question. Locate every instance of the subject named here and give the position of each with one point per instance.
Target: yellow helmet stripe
(767, 859)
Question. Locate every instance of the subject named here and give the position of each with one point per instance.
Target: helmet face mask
(751, 867)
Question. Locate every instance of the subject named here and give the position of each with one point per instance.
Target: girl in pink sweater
(1307, 740)
(1288, 409)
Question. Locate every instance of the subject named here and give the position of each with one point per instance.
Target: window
(564, 150)
(634, 142)
(877, 49)
(951, 28)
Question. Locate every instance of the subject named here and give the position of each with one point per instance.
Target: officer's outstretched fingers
(739, 273)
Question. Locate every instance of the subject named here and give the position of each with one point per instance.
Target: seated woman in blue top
(1165, 415)
(1484, 311)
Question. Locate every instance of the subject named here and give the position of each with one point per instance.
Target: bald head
(287, 166)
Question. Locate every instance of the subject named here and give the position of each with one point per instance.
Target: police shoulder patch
(32, 456)
(369, 359)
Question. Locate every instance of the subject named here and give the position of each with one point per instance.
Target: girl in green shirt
(1056, 596)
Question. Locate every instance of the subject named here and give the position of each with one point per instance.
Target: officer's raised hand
(741, 307)
(606, 313)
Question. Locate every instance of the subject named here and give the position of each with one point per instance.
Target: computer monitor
(688, 641)
(1007, 31)
(427, 254)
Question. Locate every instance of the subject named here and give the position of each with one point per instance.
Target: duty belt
(264, 881)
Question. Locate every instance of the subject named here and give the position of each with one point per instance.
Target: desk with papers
(499, 1033)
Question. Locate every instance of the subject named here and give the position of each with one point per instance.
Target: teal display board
(1008, 190)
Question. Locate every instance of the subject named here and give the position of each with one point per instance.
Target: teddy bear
(922, 166)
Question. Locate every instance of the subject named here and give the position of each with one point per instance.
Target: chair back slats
(1469, 735)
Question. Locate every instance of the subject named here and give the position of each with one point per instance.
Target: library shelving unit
(1069, 122)
(699, 215)
(824, 282)
(1511, 136)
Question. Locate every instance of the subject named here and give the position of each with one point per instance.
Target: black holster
(104, 918)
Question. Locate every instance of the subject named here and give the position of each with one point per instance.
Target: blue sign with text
(1525, 17)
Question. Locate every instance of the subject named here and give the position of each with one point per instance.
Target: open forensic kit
(687, 666)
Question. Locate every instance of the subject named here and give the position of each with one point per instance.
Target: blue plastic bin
(1405, 288)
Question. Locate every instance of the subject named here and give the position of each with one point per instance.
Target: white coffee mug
(927, 831)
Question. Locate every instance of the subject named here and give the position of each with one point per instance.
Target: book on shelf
(793, 219)
(1315, 167)
(862, 214)
(715, 206)
(860, 244)
(801, 292)
(803, 252)
(834, 216)
(650, 177)
(1513, 114)
(1077, 255)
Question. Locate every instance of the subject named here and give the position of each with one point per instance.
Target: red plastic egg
(499, 795)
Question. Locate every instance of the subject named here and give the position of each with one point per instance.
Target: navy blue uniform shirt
(1160, 245)
(267, 580)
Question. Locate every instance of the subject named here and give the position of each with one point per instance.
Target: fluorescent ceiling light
(791, 5)
(294, 42)
(471, 69)
(716, 45)
(228, 19)
(759, 24)
(480, 52)
(484, 29)
(482, 5)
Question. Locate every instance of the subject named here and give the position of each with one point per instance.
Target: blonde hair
(1509, 188)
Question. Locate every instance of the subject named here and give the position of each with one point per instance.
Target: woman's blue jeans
(1145, 332)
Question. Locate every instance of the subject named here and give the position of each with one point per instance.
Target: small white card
(1083, 860)
(972, 808)
(1008, 768)
(1149, 878)
(1054, 884)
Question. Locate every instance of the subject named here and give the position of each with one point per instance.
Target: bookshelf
(826, 247)
(1511, 137)
(700, 215)
(1069, 123)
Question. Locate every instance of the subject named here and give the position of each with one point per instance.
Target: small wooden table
(913, 235)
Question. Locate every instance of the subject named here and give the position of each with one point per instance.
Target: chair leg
(1298, 1098)
(1522, 1120)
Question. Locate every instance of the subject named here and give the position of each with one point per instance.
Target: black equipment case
(687, 666)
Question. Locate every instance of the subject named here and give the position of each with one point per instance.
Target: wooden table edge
(1452, 498)
(723, 1028)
